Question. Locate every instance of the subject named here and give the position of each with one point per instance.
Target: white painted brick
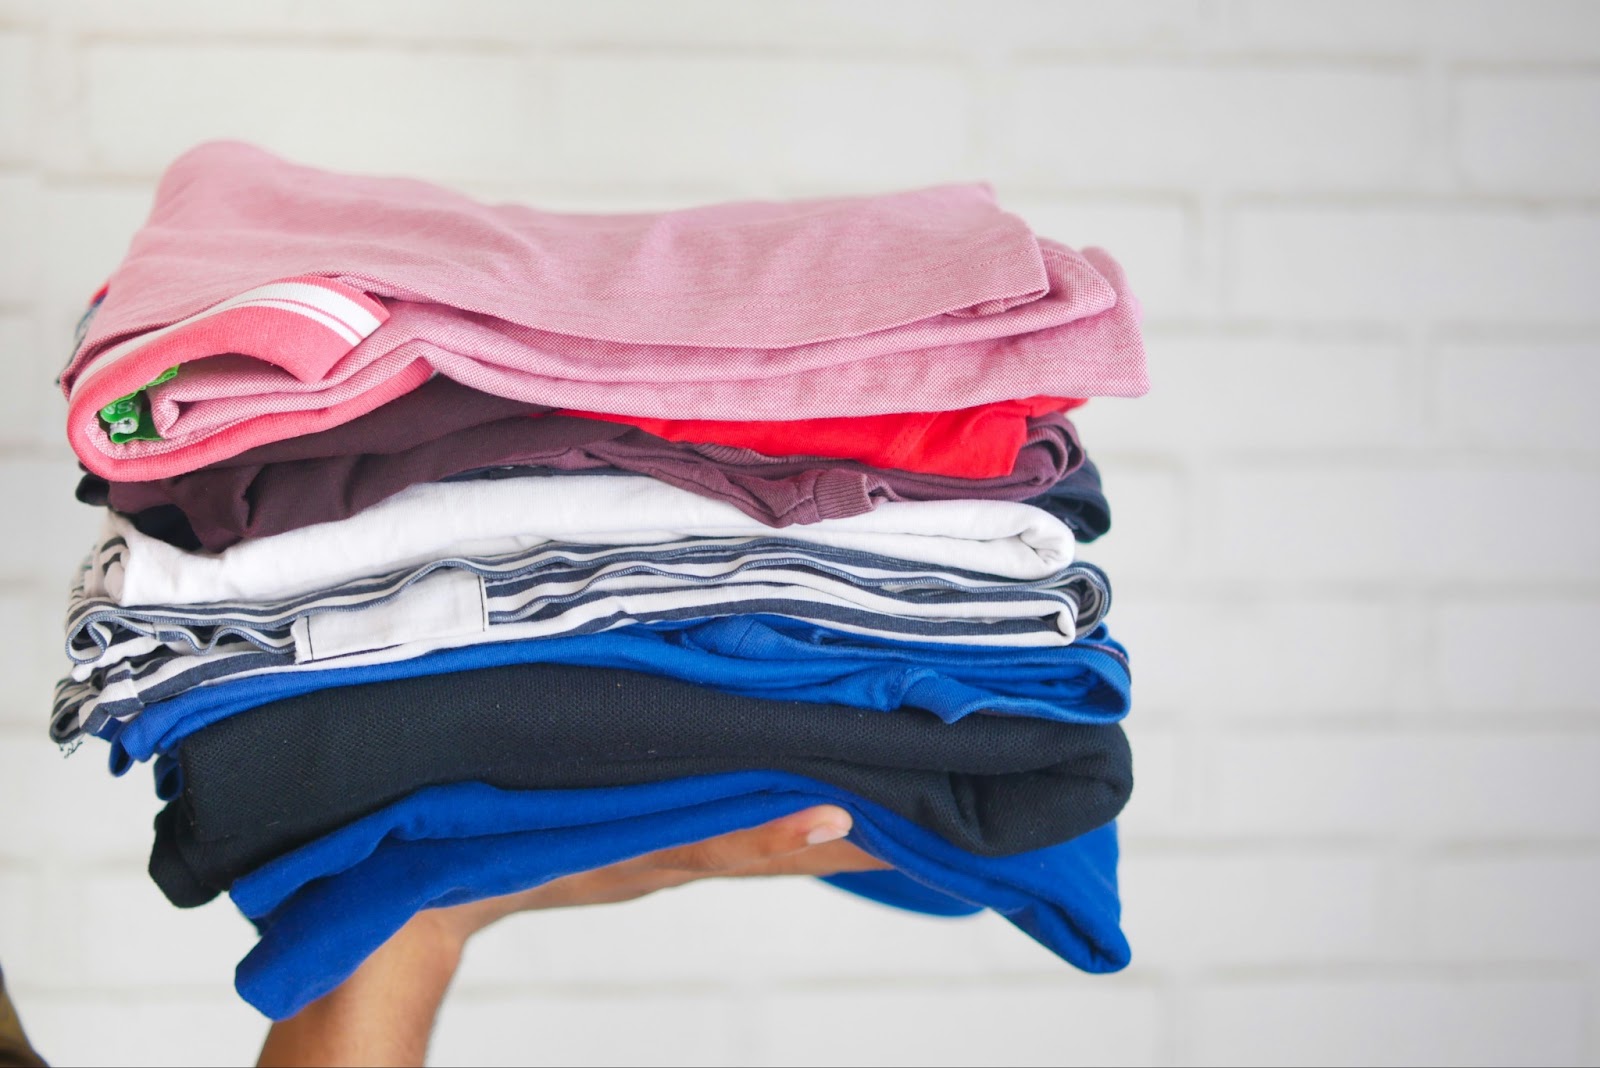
(1381, 524)
(353, 20)
(16, 96)
(1366, 28)
(419, 112)
(1149, 125)
(32, 657)
(1083, 1022)
(1479, 787)
(31, 408)
(1451, 29)
(19, 236)
(783, 930)
(39, 946)
(845, 935)
(16, 900)
(132, 1028)
(130, 945)
(1388, 1022)
(71, 808)
(90, 228)
(21, 12)
(1518, 656)
(45, 530)
(1497, 30)
(732, 122)
(41, 942)
(654, 1027)
(886, 25)
(1427, 262)
(1524, 133)
(1148, 516)
(1348, 657)
(1530, 787)
(1032, 25)
(1518, 397)
(1159, 805)
(1300, 786)
(1153, 242)
(1260, 394)
(660, 938)
(1195, 910)
(108, 928)
(1510, 908)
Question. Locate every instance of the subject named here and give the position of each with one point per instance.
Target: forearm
(381, 1015)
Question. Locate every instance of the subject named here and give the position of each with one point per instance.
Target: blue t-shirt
(322, 909)
(764, 656)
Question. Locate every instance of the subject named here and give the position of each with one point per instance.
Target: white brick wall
(1439, 260)
(1356, 554)
(1212, 125)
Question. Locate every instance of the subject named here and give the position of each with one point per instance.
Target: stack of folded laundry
(452, 548)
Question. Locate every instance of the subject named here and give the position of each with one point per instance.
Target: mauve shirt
(445, 429)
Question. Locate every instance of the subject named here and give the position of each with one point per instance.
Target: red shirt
(980, 442)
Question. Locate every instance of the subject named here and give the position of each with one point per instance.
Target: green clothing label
(128, 418)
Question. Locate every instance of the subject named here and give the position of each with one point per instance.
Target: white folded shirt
(488, 517)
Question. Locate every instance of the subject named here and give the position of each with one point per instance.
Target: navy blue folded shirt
(261, 784)
(324, 908)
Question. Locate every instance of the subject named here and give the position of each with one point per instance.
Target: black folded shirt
(266, 781)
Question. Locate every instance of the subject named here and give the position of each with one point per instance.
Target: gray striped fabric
(128, 656)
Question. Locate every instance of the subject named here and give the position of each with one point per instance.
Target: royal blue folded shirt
(757, 656)
(324, 908)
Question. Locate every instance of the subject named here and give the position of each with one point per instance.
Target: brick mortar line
(1441, 970)
(1437, 458)
(1020, 185)
(533, 45)
(1442, 722)
(1223, 59)
(87, 38)
(1245, 592)
(1514, 69)
(1267, 843)
(1417, 199)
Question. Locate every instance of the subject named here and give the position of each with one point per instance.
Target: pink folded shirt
(293, 300)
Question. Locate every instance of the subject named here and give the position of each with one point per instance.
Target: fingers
(830, 859)
(733, 852)
(805, 843)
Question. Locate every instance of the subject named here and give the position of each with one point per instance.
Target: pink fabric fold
(295, 300)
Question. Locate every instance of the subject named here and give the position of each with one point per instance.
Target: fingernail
(827, 832)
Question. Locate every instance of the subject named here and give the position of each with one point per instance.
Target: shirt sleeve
(15, 1052)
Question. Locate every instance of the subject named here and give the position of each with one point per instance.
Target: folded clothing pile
(453, 548)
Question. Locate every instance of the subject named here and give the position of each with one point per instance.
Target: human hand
(805, 843)
(383, 1014)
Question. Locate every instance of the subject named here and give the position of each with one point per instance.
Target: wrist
(435, 938)
(383, 1013)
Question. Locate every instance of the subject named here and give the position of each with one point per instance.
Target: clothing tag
(449, 603)
(128, 418)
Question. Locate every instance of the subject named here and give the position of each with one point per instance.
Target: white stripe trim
(351, 319)
(314, 314)
(341, 307)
